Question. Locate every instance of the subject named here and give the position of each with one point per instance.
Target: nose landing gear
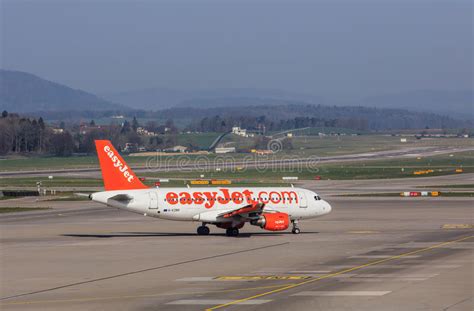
(296, 229)
(203, 230)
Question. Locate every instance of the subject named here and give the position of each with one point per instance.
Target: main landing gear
(232, 232)
(295, 229)
(203, 230)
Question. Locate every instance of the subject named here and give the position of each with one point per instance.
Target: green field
(302, 147)
(340, 145)
(63, 198)
(395, 168)
(323, 146)
(201, 140)
(450, 186)
(49, 183)
(396, 194)
(39, 163)
(21, 209)
(377, 169)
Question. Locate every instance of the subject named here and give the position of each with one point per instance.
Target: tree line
(263, 124)
(32, 135)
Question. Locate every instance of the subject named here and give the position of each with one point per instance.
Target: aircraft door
(302, 199)
(153, 203)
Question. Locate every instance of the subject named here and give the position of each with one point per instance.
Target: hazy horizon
(334, 49)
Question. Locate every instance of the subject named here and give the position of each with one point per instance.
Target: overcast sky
(329, 48)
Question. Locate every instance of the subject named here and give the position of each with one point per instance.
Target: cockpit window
(317, 197)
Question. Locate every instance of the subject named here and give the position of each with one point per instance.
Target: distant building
(225, 150)
(239, 131)
(144, 132)
(130, 147)
(87, 128)
(58, 130)
(177, 149)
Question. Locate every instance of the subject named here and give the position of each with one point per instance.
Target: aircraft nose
(327, 207)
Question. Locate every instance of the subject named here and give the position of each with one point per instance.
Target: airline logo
(226, 196)
(118, 164)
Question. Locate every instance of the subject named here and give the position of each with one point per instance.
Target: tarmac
(370, 253)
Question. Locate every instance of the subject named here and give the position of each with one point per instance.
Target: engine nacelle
(273, 221)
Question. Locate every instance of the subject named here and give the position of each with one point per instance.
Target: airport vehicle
(271, 208)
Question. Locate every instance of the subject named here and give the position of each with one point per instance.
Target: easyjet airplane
(225, 207)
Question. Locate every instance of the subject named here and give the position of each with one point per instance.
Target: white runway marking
(242, 278)
(382, 256)
(309, 271)
(365, 280)
(445, 261)
(396, 276)
(283, 271)
(408, 277)
(368, 280)
(342, 293)
(400, 266)
(216, 302)
(463, 245)
(197, 279)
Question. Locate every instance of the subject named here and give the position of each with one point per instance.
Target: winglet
(115, 172)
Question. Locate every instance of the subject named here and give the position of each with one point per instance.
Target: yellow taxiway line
(291, 286)
(279, 288)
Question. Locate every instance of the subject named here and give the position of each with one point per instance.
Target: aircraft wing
(244, 211)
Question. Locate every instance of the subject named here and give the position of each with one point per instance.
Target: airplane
(229, 208)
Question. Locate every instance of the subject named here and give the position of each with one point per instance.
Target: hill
(458, 104)
(24, 92)
(298, 115)
(162, 98)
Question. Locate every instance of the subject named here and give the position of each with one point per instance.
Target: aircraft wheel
(232, 232)
(203, 230)
(296, 231)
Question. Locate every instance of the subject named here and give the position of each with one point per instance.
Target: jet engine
(272, 221)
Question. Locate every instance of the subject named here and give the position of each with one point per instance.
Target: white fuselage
(205, 203)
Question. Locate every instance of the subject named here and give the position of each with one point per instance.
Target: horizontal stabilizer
(123, 198)
(80, 194)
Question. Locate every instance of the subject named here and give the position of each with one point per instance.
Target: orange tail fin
(115, 172)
